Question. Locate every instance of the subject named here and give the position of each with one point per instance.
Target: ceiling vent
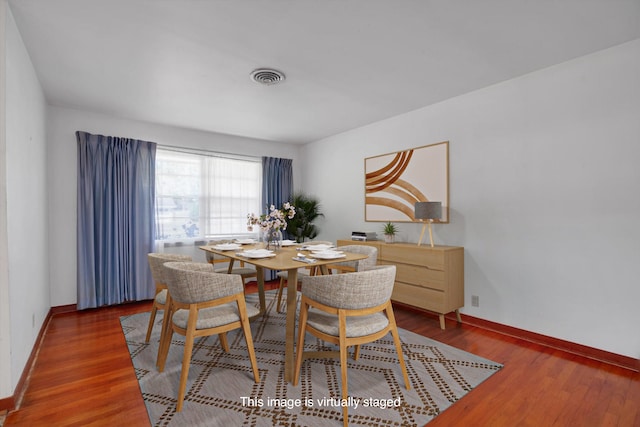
(267, 76)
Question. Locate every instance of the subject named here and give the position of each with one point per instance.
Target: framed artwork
(394, 182)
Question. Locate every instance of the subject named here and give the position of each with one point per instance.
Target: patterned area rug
(221, 390)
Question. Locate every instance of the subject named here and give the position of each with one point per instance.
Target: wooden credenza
(426, 277)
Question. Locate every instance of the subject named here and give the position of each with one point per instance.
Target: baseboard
(614, 359)
(7, 404)
(12, 402)
(551, 342)
(69, 308)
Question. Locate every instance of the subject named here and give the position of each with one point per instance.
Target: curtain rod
(210, 153)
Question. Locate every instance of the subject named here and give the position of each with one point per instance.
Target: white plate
(246, 241)
(226, 247)
(317, 248)
(258, 253)
(327, 255)
(288, 242)
(327, 251)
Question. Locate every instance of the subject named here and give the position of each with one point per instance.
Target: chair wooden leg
(398, 344)
(244, 320)
(186, 358)
(302, 330)
(223, 342)
(280, 295)
(356, 352)
(163, 351)
(152, 319)
(166, 334)
(343, 367)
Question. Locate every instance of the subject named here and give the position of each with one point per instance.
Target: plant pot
(389, 238)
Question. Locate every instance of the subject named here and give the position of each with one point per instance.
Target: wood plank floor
(83, 376)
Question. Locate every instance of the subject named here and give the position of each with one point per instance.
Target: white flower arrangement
(276, 219)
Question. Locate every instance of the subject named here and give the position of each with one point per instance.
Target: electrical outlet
(475, 301)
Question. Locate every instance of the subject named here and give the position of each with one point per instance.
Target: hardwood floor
(83, 376)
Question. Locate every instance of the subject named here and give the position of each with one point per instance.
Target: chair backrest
(352, 291)
(215, 258)
(363, 264)
(193, 282)
(156, 260)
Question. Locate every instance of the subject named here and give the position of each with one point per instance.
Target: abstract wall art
(395, 181)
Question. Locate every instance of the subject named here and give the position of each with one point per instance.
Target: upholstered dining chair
(157, 272)
(306, 271)
(348, 309)
(245, 272)
(361, 265)
(204, 303)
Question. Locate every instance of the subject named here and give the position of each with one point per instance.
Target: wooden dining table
(283, 261)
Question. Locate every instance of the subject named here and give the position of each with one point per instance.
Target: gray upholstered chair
(204, 303)
(245, 272)
(307, 271)
(361, 265)
(157, 272)
(348, 310)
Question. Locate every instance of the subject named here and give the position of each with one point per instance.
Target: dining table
(282, 259)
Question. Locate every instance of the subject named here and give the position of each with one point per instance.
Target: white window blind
(202, 195)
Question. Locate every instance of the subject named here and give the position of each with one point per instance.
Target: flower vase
(274, 239)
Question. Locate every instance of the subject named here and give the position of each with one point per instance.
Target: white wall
(26, 194)
(61, 128)
(544, 184)
(5, 325)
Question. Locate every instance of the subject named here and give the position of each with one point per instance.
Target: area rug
(221, 390)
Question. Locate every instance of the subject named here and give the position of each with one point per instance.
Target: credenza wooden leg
(441, 321)
(458, 316)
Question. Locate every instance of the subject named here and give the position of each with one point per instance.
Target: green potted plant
(301, 226)
(389, 230)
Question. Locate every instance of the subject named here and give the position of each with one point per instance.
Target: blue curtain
(277, 187)
(277, 181)
(116, 195)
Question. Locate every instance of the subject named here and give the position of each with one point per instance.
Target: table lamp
(427, 211)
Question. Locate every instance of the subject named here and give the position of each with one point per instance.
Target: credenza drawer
(429, 299)
(412, 255)
(418, 275)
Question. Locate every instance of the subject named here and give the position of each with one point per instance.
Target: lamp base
(424, 226)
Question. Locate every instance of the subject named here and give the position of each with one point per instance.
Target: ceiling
(348, 63)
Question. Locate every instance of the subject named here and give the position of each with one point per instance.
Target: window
(200, 195)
